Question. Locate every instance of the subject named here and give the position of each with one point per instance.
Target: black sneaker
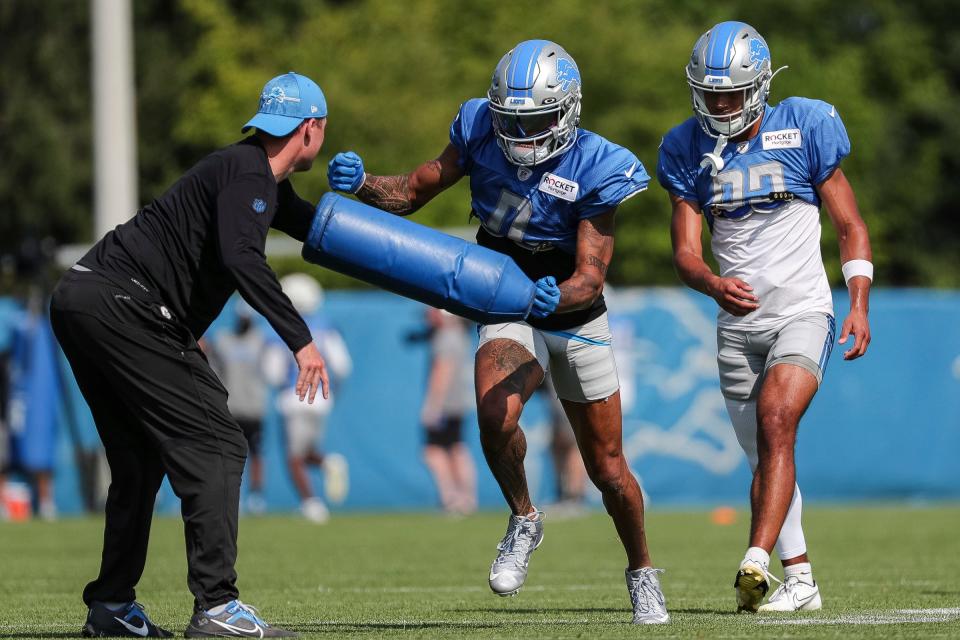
(237, 620)
(130, 620)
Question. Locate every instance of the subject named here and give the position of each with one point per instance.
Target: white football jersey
(778, 254)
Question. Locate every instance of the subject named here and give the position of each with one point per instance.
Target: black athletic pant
(159, 409)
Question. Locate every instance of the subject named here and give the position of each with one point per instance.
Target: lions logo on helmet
(758, 53)
(567, 72)
(535, 102)
(731, 56)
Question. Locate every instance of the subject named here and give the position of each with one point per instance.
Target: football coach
(128, 316)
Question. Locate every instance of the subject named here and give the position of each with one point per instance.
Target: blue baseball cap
(287, 101)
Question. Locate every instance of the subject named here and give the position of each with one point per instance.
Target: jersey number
(728, 185)
(515, 211)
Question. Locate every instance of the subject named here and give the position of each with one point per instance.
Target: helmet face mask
(730, 57)
(732, 122)
(534, 99)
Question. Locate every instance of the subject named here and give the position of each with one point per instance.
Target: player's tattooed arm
(404, 194)
(390, 193)
(594, 252)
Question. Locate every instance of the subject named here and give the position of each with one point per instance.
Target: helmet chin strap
(713, 161)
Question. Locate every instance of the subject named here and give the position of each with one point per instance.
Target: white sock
(217, 610)
(115, 606)
(802, 570)
(758, 556)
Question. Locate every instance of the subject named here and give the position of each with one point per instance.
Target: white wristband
(853, 268)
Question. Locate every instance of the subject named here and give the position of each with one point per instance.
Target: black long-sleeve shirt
(203, 239)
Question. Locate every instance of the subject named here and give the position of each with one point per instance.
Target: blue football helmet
(535, 102)
(731, 56)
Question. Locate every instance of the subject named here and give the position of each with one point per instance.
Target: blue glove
(546, 297)
(345, 172)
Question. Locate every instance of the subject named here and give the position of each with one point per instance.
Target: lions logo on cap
(276, 94)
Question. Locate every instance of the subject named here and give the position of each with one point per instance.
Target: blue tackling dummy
(417, 262)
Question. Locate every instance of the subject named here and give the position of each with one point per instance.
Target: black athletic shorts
(446, 434)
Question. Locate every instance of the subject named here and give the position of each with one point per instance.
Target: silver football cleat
(509, 569)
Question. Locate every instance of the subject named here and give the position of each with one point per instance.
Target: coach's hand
(345, 172)
(313, 374)
(546, 298)
(733, 295)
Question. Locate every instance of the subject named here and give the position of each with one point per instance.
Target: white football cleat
(314, 510)
(509, 569)
(797, 593)
(649, 605)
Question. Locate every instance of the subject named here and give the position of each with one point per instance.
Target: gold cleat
(751, 585)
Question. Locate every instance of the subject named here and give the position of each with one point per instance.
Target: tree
(395, 73)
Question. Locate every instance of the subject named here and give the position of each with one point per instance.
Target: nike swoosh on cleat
(799, 602)
(140, 631)
(256, 632)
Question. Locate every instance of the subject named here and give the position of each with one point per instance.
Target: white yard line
(891, 616)
(888, 616)
(465, 588)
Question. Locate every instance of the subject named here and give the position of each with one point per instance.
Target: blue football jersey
(541, 206)
(800, 143)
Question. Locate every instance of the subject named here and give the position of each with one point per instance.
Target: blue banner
(886, 426)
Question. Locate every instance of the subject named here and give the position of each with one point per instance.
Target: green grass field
(884, 573)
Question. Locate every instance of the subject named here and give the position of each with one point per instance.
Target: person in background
(4, 432)
(304, 426)
(569, 473)
(448, 395)
(237, 355)
(33, 423)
